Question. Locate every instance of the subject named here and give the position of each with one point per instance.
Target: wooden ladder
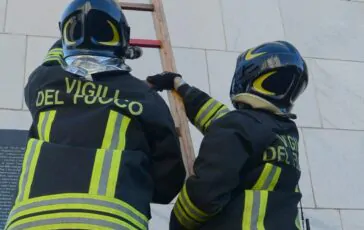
(168, 63)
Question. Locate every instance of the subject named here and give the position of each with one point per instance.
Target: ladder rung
(147, 43)
(137, 6)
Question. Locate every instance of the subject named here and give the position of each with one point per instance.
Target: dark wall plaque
(12, 146)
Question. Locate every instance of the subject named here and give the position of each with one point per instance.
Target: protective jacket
(246, 173)
(99, 152)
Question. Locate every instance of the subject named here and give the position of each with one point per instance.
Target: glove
(163, 81)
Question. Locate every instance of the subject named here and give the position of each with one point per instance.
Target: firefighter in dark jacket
(102, 145)
(247, 171)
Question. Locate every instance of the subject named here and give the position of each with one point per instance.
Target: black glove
(163, 81)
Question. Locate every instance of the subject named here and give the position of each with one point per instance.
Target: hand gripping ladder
(168, 64)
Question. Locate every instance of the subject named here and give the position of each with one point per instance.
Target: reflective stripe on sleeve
(79, 202)
(209, 112)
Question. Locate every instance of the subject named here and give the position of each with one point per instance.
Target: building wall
(207, 36)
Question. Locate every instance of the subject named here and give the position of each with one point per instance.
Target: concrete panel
(36, 17)
(2, 14)
(325, 28)
(12, 56)
(148, 64)
(195, 24)
(221, 67)
(160, 216)
(250, 23)
(323, 219)
(352, 219)
(339, 90)
(196, 137)
(192, 65)
(335, 158)
(18, 120)
(305, 181)
(141, 24)
(37, 48)
(306, 107)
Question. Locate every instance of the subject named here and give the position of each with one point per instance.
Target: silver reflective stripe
(105, 171)
(44, 124)
(79, 201)
(192, 213)
(255, 210)
(269, 179)
(220, 113)
(26, 172)
(71, 221)
(183, 218)
(116, 134)
(205, 113)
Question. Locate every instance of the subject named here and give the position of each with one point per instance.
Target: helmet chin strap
(247, 100)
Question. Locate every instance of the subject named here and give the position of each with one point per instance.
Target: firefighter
(247, 171)
(102, 145)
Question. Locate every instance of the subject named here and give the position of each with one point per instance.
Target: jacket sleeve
(168, 170)
(54, 55)
(222, 155)
(201, 109)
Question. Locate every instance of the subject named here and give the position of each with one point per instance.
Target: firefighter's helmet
(270, 76)
(94, 27)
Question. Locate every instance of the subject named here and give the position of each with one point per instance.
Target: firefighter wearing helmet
(247, 171)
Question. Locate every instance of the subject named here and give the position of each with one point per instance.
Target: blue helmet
(270, 76)
(94, 27)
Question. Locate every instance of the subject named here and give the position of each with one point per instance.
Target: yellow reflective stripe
(82, 201)
(269, 177)
(222, 111)
(275, 178)
(113, 173)
(248, 208)
(77, 206)
(32, 167)
(40, 125)
(59, 60)
(44, 125)
(52, 115)
(297, 189)
(190, 209)
(199, 214)
(116, 158)
(96, 172)
(183, 218)
(209, 114)
(71, 217)
(124, 126)
(70, 226)
(108, 160)
(110, 126)
(262, 209)
(202, 110)
(55, 52)
(96, 198)
(298, 223)
(254, 209)
(26, 162)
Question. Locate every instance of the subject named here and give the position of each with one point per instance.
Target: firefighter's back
(87, 162)
(268, 194)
